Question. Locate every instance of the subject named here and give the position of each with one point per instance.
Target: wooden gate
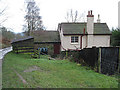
(109, 60)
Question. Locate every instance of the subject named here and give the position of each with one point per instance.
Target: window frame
(74, 39)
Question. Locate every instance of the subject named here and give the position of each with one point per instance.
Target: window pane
(72, 39)
(76, 39)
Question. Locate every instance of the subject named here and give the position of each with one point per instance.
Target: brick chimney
(90, 22)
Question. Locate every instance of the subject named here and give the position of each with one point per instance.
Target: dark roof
(78, 28)
(73, 28)
(101, 28)
(22, 39)
(46, 36)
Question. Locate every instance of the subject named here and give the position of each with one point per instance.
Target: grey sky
(54, 11)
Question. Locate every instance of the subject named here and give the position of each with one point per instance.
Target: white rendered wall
(84, 42)
(98, 41)
(90, 41)
(66, 43)
(101, 40)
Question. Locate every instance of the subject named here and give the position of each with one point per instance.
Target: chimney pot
(91, 12)
(88, 12)
(98, 20)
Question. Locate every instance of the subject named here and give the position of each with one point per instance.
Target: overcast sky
(54, 12)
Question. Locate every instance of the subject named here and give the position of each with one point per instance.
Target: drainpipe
(86, 37)
(81, 38)
(84, 31)
(81, 42)
(86, 40)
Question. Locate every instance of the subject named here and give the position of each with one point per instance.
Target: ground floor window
(74, 39)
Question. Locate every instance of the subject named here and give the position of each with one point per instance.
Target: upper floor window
(74, 39)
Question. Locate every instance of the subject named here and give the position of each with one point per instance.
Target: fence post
(99, 61)
(66, 53)
(119, 61)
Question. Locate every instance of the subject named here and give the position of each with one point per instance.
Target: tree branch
(1, 12)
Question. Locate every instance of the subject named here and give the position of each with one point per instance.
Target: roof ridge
(73, 22)
(99, 23)
(46, 30)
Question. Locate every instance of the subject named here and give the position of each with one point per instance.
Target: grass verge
(44, 73)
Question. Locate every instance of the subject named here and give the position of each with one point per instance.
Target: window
(74, 39)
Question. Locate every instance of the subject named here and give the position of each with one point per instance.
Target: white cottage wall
(101, 40)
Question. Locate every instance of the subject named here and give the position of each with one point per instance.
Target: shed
(23, 45)
(49, 39)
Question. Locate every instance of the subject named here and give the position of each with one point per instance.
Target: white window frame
(75, 41)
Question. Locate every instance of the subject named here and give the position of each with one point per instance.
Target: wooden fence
(109, 58)
(104, 60)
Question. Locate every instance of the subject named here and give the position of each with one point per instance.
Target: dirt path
(21, 78)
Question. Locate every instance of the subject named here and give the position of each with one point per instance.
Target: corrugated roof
(22, 39)
(78, 28)
(46, 36)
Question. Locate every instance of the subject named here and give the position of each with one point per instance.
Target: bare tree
(33, 17)
(73, 16)
(3, 16)
(76, 16)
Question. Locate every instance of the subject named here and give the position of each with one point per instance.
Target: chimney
(90, 29)
(98, 20)
(90, 22)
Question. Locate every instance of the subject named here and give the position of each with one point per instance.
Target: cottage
(84, 35)
(72, 36)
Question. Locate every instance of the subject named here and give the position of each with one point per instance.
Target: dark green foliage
(5, 37)
(115, 38)
(7, 34)
(36, 54)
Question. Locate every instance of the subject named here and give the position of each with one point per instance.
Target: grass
(51, 74)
